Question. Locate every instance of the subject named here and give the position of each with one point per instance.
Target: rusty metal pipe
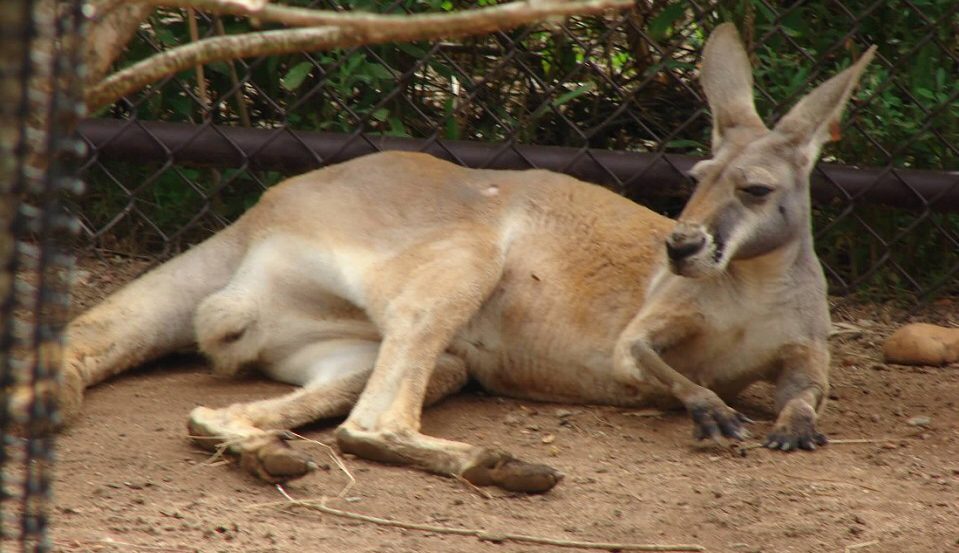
(641, 175)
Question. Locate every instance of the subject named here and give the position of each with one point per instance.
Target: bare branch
(109, 32)
(351, 29)
(456, 23)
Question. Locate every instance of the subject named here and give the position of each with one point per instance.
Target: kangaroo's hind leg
(332, 373)
(445, 283)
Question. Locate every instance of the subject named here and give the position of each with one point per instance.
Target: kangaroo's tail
(149, 317)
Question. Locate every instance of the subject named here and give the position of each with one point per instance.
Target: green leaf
(378, 71)
(684, 144)
(295, 76)
(441, 68)
(397, 128)
(219, 67)
(660, 24)
(166, 36)
(181, 105)
(411, 49)
(450, 124)
(573, 94)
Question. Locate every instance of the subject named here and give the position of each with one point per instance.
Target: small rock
(82, 277)
(548, 439)
(533, 427)
(563, 413)
(920, 420)
(874, 417)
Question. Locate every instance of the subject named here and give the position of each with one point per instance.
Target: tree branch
(342, 30)
(456, 23)
(110, 29)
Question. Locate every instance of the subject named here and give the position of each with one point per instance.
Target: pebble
(921, 420)
(172, 513)
(548, 439)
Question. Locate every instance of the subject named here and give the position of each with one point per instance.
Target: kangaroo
(380, 285)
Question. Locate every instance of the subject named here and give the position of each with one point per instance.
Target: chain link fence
(611, 99)
(39, 104)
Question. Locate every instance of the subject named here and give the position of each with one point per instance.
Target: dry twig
(471, 486)
(336, 460)
(853, 547)
(485, 535)
(817, 479)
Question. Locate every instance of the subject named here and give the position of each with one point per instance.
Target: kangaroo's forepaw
(795, 429)
(501, 469)
(714, 419)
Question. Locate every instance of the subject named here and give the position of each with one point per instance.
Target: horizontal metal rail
(660, 174)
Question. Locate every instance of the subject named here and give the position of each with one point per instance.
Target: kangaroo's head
(752, 197)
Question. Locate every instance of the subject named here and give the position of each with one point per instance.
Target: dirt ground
(128, 479)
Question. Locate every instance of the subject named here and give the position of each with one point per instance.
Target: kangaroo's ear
(815, 119)
(727, 79)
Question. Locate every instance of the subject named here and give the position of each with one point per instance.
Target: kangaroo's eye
(757, 190)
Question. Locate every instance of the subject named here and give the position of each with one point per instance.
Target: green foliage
(624, 82)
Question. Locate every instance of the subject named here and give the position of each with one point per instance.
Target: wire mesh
(38, 108)
(622, 82)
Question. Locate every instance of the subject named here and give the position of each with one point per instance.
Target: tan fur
(379, 284)
(922, 344)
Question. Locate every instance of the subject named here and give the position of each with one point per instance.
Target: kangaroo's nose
(685, 241)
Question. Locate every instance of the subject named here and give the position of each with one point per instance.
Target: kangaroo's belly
(533, 339)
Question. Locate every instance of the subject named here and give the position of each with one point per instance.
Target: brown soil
(128, 479)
